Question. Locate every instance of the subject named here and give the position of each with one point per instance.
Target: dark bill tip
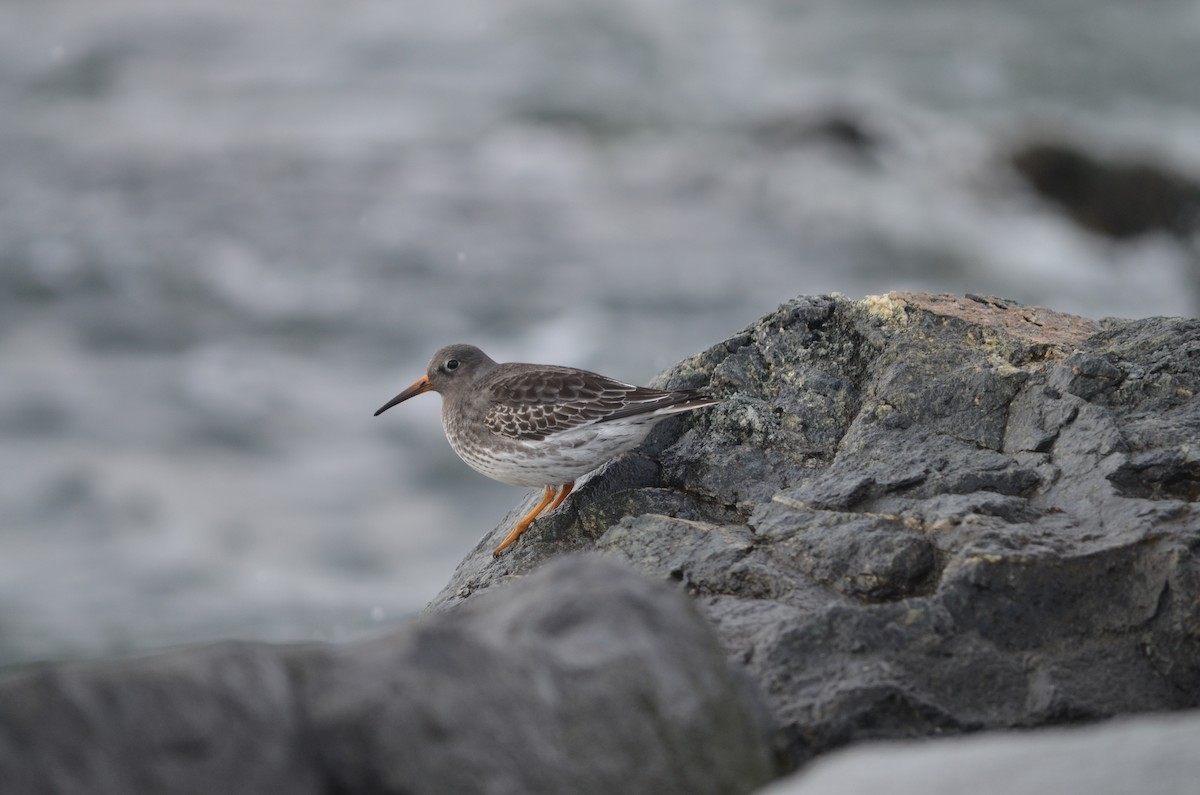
(422, 385)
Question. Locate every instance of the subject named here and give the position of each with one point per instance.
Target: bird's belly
(560, 458)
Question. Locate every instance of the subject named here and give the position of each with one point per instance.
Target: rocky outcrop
(584, 678)
(920, 514)
(912, 515)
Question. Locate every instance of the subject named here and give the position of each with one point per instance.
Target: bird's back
(536, 425)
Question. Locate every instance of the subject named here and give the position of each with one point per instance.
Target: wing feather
(531, 405)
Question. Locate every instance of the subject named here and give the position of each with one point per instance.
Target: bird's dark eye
(452, 364)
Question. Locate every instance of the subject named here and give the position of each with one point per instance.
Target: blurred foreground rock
(920, 514)
(585, 678)
(1147, 755)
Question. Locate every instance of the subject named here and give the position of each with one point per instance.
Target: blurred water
(229, 232)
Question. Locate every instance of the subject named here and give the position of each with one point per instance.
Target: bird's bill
(422, 385)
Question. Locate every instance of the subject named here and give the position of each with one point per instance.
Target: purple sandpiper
(539, 424)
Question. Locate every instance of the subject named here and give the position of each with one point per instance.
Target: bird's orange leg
(527, 520)
(523, 525)
(566, 489)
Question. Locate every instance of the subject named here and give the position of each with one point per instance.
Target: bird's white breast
(559, 458)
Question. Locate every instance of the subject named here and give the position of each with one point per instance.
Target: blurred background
(230, 231)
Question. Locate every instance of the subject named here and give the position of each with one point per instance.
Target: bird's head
(451, 368)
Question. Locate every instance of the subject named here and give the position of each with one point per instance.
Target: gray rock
(583, 678)
(919, 514)
(913, 515)
(1115, 197)
(1147, 755)
(221, 718)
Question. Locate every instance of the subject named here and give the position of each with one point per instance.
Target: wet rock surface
(919, 514)
(585, 678)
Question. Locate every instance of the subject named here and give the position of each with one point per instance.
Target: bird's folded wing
(534, 406)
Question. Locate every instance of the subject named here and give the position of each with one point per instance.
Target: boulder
(912, 515)
(583, 678)
(218, 718)
(918, 514)
(1147, 755)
